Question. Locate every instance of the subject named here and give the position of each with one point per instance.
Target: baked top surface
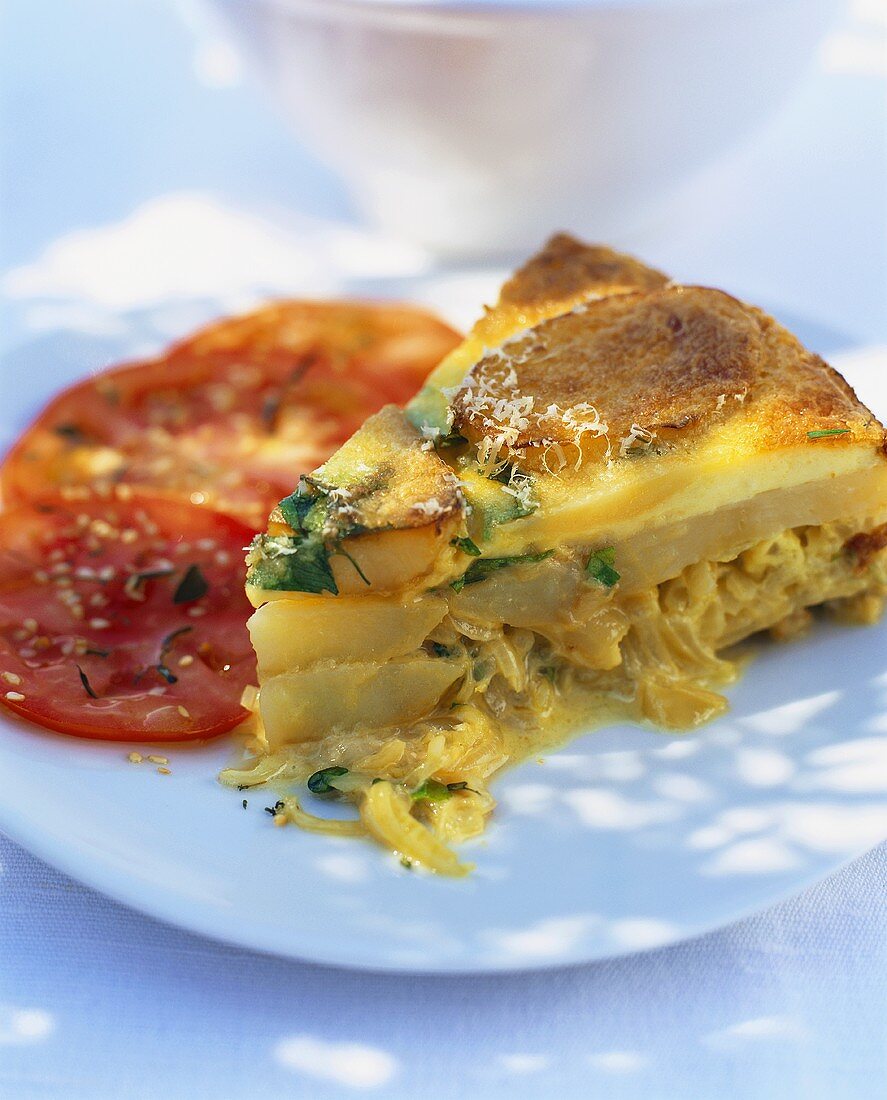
(595, 400)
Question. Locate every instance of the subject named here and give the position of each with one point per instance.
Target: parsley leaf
(479, 570)
(467, 546)
(292, 563)
(319, 782)
(295, 509)
(431, 791)
(600, 566)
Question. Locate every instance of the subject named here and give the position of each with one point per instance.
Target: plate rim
(114, 887)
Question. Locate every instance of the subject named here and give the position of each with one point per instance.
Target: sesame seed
(124, 492)
(99, 624)
(27, 652)
(159, 759)
(135, 758)
(196, 612)
(129, 535)
(164, 771)
(76, 611)
(185, 661)
(40, 576)
(15, 697)
(185, 713)
(11, 677)
(30, 625)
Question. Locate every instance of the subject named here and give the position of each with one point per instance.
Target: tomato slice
(230, 417)
(123, 617)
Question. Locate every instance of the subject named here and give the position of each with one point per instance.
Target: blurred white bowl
(477, 127)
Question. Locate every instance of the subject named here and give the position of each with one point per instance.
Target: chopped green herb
(467, 546)
(275, 809)
(98, 652)
(440, 650)
(483, 567)
(191, 587)
(319, 782)
(600, 566)
(86, 684)
(823, 433)
(491, 505)
(293, 564)
(406, 863)
(244, 803)
(295, 509)
(431, 791)
(460, 786)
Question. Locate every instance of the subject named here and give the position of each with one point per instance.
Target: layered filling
(407, 705)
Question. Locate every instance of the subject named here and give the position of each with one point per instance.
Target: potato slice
(295, 633)
(308, 704)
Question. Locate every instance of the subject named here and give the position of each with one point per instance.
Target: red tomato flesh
(231, 416)
(123, 617)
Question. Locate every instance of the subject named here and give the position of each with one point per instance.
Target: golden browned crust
(565, 268)
(673, 362)
(563, 274)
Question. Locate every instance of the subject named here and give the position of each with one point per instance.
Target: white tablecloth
(132, 121)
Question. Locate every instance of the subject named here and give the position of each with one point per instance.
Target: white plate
(626, 839)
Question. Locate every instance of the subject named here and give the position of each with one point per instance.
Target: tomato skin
(231, 416)
(123, 617)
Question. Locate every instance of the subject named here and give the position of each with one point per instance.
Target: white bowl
(478, 127)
